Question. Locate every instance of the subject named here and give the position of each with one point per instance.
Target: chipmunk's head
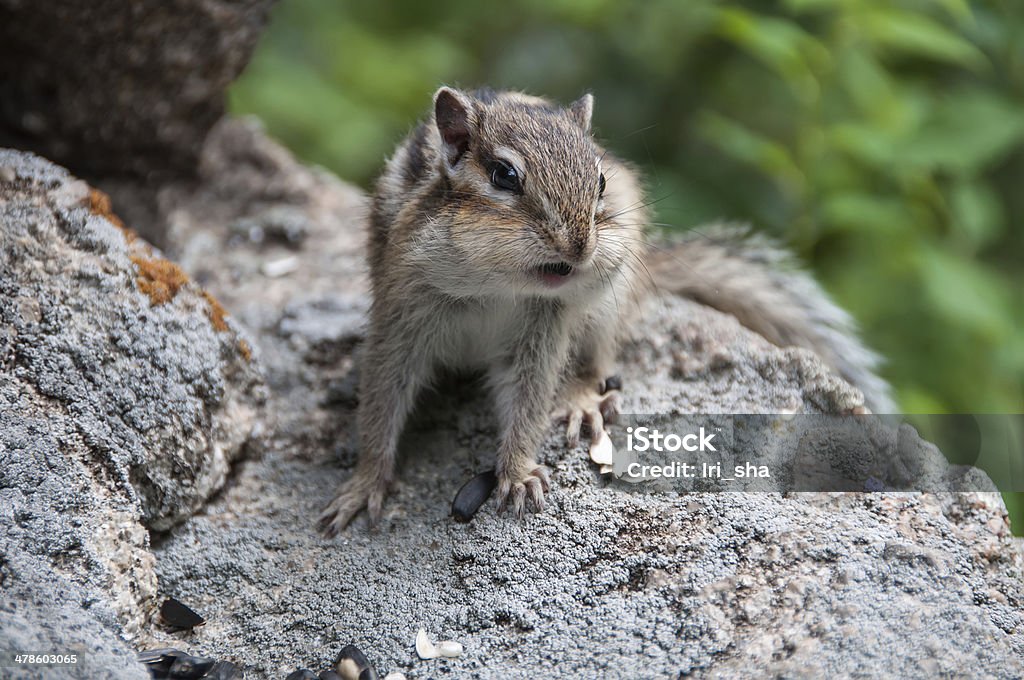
(527, 194)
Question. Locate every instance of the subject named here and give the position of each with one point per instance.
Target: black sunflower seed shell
(366, 671)
(473, 494)
(190, 667)
(159, 657)
(224, 670)
(301, 674)
(177, 615)
(612, 382)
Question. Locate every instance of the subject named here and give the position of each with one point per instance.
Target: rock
(146, 362)
(125, 393)
(87, 84)
(122, 93)
(604, 582)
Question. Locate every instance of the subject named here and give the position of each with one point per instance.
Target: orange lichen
(158, 278)
(161, 280)
(216, 313)
(245, 350)
(99, 204)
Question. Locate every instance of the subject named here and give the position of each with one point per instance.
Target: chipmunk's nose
(579, 244)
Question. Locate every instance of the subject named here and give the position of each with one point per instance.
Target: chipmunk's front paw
(589, 405)
(357, 493)
(516, 490)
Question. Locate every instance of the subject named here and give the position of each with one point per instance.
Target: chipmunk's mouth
(555, 273)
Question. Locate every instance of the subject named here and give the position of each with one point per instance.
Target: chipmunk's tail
(754, 279)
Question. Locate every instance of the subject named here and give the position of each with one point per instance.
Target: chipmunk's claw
(355, 495)
(590, 408)
(516, 494)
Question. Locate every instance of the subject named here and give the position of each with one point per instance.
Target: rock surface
(604, 583)
(124, 395)
(76, 78)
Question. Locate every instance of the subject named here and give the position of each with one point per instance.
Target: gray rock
(604, 583)
(110, 88)
(122, 93)
(124, 396)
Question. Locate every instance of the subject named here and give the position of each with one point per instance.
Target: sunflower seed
(274, 269)
(472, 495)
(612, 382)
(159, 661)
(601, 449)
(450, 648)
(301, 674)
(190, 667)
(176, 615)
(347, 669)
(352, 664)
(425, 649)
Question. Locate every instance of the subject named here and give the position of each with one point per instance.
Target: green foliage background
(883, 140)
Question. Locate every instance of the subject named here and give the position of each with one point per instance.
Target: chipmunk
(504, 239)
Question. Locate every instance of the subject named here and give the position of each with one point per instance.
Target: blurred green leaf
(783, 45)
(857, 212)
(867, 82)
(965, 293)
(918, 400)
(958, 9)
(871, 145)
(802, 6)
(967, 132)
(977, 213)
(916, 34)
(751, 147)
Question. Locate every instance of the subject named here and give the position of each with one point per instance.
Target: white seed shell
(607, 469)
(348, 669)
(395, 676)
(424, 647)
(450, 648)
(284, 266)
(601, 449)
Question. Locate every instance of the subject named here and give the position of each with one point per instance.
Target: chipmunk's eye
(504, 176)
(600, 185)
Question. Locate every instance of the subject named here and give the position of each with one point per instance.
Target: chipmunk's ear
(455, 117)
(581, 111)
